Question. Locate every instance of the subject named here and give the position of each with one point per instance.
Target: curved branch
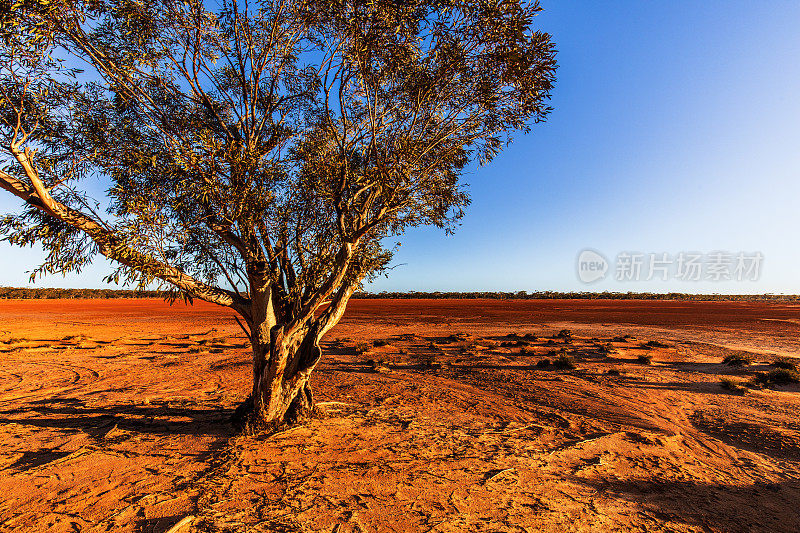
(331, 316)
(108, 243)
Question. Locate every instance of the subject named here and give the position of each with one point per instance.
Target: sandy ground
(434, 416)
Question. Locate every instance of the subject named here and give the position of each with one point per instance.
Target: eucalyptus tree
(257, 155)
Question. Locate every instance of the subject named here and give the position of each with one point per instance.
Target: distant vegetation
(22, 293)
(551, 295)
(9, 293)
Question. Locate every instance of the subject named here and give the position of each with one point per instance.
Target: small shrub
(379, 343)
(644, 359)
(428, 361)
(613, 372)
(512, 344)
(621, 338)
(564, 362)
(781, 376)
(195, 349)
(362, 348)
(378, 365)
(787, 363)
(738, 359)
(550, 342)
(656, 344)
(543, 363)
(606, 349)
(564, 334)
(732, 385)
(530, 336)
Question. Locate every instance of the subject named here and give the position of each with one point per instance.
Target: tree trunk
(282, 368)
(284, 356)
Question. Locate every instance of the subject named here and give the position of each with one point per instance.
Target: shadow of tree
(157, 417)
(35, 459)
(109, 425)
(714, 507)
(719, 369)
(157, 525)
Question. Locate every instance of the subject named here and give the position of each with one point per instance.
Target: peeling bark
(281, 393)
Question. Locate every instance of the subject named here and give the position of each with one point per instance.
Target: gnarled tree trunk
(281, 391)
(282, 365)
(281, 388)
(284, 356)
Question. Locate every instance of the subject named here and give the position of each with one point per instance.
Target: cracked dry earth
(433, 416)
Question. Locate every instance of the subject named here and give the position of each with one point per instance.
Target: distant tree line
(553, 295)
(22, 293)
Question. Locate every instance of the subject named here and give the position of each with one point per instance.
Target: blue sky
(676, 128)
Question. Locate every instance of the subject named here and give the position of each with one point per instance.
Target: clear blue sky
(676, 129)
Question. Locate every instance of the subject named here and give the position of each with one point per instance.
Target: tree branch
(109, 244)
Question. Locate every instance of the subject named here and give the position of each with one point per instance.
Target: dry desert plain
(434, 415)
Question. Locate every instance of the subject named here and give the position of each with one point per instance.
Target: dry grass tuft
(781, 376)
(787, 363)
(738, 359)
(732, 385)
(564, 362)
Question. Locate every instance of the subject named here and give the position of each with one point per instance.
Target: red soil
(115, 412)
